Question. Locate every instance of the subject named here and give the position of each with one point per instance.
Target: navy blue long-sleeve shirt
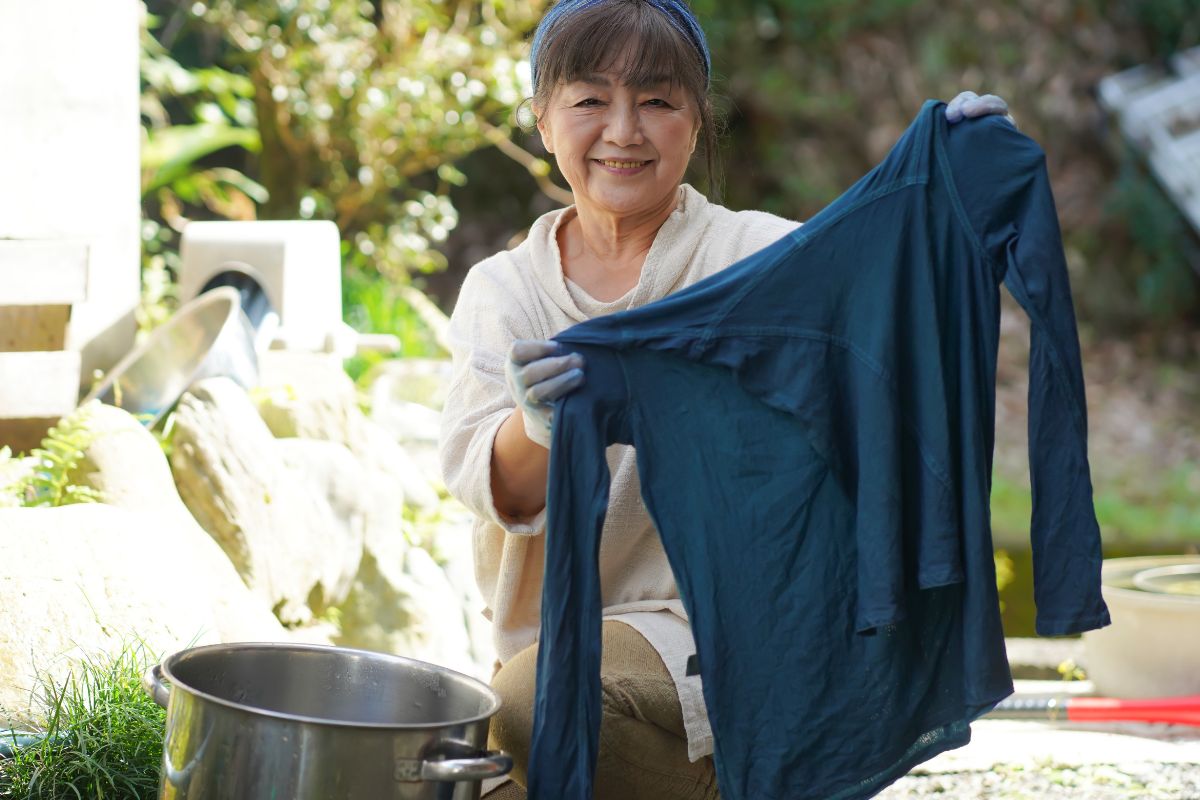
(814, 434)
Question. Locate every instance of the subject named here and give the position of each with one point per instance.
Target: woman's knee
(643, 747)
(511, 727)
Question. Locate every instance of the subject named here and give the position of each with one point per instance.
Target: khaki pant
(643, 745)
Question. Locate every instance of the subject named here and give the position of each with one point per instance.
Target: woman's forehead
(625, 66)
(616, 77)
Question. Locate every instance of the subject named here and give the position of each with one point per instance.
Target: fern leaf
(61, 451)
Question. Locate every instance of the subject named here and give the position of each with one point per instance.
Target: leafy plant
(103, 736)
(1070, 671)
(372, 305)
(1161, 262)
(1005, 571)
(49, 483)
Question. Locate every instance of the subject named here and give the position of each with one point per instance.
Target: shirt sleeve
(567, 709)
(485, 322)
(1001, 177)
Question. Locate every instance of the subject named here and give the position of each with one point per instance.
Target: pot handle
(153, 685)
(491, 764)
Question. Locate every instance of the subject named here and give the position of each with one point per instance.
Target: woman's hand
(537, 376)
(969, 105)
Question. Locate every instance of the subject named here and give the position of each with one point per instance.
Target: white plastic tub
(1152, 648)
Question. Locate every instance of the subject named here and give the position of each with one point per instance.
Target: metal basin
(1151, 648)
(208, 337)
(309, 722)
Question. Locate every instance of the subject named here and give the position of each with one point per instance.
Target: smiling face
(622, 148)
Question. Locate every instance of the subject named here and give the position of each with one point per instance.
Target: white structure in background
(1159, 114)
(69, 152)
(297, 264)
(39, 380)
(69, 201)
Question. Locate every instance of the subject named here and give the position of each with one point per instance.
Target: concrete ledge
(1038, 659)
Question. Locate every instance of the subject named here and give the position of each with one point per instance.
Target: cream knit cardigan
(523, 294)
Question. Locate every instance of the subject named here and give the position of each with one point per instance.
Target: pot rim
(167, 663)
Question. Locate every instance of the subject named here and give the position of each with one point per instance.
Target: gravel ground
(1093, 782)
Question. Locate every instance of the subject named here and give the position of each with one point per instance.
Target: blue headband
(676, 12)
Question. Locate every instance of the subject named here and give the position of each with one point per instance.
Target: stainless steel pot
(308, 722)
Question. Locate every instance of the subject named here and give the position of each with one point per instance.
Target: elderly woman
(621, 97)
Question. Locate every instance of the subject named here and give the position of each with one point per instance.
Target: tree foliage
(376, 113)
(363, 109)
(817, 91)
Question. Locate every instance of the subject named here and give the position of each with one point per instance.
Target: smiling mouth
(621, 164)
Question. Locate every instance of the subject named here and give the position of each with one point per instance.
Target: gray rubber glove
(538, 374)
(969, 105)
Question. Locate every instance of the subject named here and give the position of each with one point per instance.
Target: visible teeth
(622, 164)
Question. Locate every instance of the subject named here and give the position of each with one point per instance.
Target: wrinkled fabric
(814, 430)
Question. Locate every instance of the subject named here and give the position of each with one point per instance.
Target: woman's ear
(543, 129)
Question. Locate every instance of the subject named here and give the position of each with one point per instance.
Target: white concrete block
(69, 151)
(42, 273)
(297, 262)
(38, 384)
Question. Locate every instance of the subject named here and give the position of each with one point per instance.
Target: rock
(86, 580)
(406, 399)
(307, 395)
(402, 600)
(409, 599)
(280, 535)
(310, 396)
(415, 427)
(12, 470)
(337, 481)
(410, 380)
(126, 464)
(454, 547)
(408, 422)
(379, 451)
(402, 603)
(316, 631)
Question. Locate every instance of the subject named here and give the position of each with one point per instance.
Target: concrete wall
(69, 146)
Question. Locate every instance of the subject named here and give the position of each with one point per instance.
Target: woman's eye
(658, 103)
(588, 101)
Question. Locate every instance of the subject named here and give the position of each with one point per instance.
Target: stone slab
(1008, 742)
(31, 328)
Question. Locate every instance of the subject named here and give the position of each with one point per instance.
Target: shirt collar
(666, 262)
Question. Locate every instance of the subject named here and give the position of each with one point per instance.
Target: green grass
(103, 737)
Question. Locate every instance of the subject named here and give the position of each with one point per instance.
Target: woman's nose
(624, 128)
